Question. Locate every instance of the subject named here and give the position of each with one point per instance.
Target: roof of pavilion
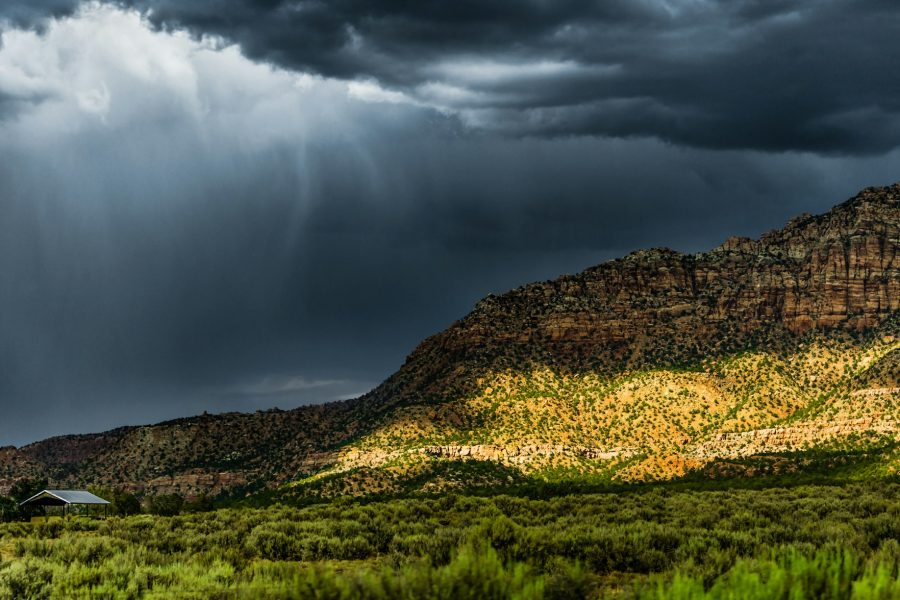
(65, 497)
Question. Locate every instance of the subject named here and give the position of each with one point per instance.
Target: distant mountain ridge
(655, 365)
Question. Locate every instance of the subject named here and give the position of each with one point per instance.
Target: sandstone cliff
(837, 270)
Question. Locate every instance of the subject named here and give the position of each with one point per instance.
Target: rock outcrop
(837, 270)
(509, 455)
(791, 438)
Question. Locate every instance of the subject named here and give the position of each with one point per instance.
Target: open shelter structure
(66, 499)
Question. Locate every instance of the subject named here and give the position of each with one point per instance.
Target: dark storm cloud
(34, 13)
(817, 76)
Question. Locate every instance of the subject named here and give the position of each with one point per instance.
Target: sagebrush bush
(657, 542)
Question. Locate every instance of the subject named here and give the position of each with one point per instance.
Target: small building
(66, 499)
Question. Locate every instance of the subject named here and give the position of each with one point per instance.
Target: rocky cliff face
(833, 272)
(674, 356)
(837, 270)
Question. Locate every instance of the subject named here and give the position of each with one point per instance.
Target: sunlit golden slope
(651, 423)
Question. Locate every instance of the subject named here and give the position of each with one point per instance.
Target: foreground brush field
(660, 542)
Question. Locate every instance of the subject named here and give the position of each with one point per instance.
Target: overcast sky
(241, 204)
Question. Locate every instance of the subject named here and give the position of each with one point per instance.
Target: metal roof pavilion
(63, 498)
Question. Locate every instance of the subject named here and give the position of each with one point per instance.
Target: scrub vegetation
(660, 541)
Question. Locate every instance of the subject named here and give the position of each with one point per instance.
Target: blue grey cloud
(774, 76)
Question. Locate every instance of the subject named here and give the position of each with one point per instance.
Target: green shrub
(165, 505)
(28, 578)
(656, 542)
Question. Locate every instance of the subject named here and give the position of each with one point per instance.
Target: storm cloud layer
(819, 76)
(237, 205)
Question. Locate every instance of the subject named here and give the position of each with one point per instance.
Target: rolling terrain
(751, 357)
